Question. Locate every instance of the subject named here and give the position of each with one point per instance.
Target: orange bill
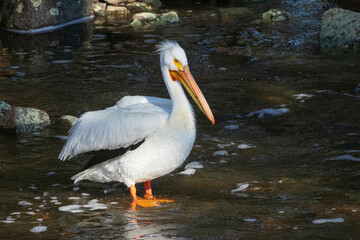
(190, 85)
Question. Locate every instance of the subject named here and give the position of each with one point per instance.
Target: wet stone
(275, 15)
(24, 120)
(36, 14)
(99, 8)
(4, 109)
(340, 28)
(115, 2)
(65, 121)
(357, 90)
(116, 9)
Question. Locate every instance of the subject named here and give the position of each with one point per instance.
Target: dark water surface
(302, 168)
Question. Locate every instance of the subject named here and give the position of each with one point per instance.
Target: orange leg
(133, 192)
(148, 191)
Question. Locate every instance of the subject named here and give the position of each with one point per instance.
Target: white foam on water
(85, 194)
(74, 198)
(346, 157)
(250, 219)
(302, 96)
(240, 187)
(322, 221)
(30, 213)
(268, 112)
(225, 145)
(94, 205)
(25, 203)
(69, 208)
(221, 153)
(9, 219)
(245, 146)
(189, 171)
(232, 126)
(38, 229)
(194, 164)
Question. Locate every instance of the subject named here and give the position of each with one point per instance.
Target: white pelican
(141, 138)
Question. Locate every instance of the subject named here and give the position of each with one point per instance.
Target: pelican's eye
(178, 64)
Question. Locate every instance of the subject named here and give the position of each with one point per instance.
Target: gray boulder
(24, 120)
(340, 28)
(24, 15)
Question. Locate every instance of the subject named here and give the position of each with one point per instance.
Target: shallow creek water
(293, 176)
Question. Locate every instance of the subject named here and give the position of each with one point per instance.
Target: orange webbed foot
(153, 202)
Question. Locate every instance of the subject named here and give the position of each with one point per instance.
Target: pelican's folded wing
(131, 120)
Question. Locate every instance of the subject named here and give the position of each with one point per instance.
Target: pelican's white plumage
(131, 120)
(166, 126)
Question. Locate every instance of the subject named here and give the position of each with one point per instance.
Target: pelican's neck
(182, 111)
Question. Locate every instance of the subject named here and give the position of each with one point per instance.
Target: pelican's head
(173, 57)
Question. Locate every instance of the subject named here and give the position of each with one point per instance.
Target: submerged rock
(38, 14)
(4, 109)
(340, 28)
(65, 122)
(232, 14)
(169, 17)
(357, 90)
(275, 15)
(144, 16)
(148, 19)
(24, 120)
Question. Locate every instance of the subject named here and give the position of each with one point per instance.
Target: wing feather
(131, 120)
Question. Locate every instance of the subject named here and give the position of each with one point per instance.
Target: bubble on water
(85, 194)
(221, 153)
(222, 69)
(50, 173)
(113, 203)
(37, 198)
(194, 164)
(76, 189)
(322, 221)
(30, 213)
(16, 213)
(281, 211)
(25, 203)
(38, 229)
